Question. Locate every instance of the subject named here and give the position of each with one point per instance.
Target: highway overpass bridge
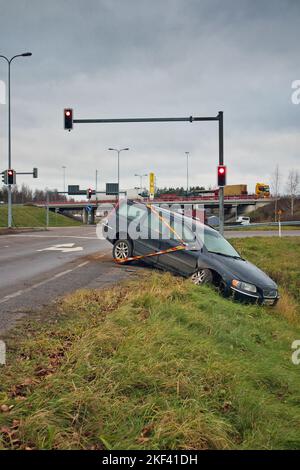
(233, 205)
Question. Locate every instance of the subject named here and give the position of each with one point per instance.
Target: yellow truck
(262, 190)
(235, 190)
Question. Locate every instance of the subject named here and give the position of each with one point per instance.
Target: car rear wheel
(122, 249)
(202, 276)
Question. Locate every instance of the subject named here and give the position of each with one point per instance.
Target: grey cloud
(118, 58)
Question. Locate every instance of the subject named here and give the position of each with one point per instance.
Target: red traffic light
(68, 118)
(221, 175)
(11, 176)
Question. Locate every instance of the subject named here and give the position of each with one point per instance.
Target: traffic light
(89, 193)
(11, 176)
(3, 177)
(68, 118)
(221, 175)
(35, 172)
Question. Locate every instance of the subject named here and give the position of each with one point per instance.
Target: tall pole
(118, 174)
(47, 209)
(9, 212)
(221, 162)
(64, 178)
(118, 152)
(96, 185)
(187, 172)
(9, 61)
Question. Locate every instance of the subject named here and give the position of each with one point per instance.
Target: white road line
(23, 291)
(19, 235)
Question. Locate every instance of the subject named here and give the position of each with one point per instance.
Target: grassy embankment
(30, 216)
(159, 364)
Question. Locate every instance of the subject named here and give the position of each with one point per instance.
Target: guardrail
(264, 224)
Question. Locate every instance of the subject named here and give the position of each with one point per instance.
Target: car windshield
(215, 243)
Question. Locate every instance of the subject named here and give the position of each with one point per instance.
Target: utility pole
(187, 172)
(96, 185)
(64, 178)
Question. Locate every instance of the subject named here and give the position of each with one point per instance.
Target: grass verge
(30, 216)
(155, 363)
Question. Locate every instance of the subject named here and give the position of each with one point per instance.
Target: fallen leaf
(4, 408)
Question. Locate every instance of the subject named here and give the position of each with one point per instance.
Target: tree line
(23, 194)
(292, 188)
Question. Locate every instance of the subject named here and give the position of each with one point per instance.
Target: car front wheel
(122, 249)
(202, 276)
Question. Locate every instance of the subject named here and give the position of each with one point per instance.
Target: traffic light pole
(221, 162)
(191, 119)
(9, 212)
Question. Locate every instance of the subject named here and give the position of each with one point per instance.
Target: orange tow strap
(155, 253)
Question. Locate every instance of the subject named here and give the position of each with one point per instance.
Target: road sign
(112, 189)
(151, 185)
(73, 189)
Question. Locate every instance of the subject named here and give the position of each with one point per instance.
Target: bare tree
(275, 187)
(292, 186)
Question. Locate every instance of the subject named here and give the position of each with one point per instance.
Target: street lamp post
(187, 172)
(141, 179)
(118, 152)
(9, 61)
(96, 185)
(64, 178)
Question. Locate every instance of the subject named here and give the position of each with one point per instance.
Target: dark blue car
(137, 229)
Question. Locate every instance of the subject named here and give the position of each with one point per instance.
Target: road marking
(64, 248)
(58, 275)
(52, 236)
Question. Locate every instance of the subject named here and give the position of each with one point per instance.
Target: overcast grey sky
(138, 58)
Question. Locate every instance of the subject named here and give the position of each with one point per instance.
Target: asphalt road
(38, 267)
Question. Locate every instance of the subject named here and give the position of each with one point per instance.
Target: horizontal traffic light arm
(167, 119)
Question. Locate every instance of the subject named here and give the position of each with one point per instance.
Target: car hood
(242, 270)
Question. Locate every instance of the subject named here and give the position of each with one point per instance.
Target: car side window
(132, 211)
(176, 230)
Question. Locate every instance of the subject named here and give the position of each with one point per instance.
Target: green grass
(157, 363)
(280, 257)
(30, 216)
